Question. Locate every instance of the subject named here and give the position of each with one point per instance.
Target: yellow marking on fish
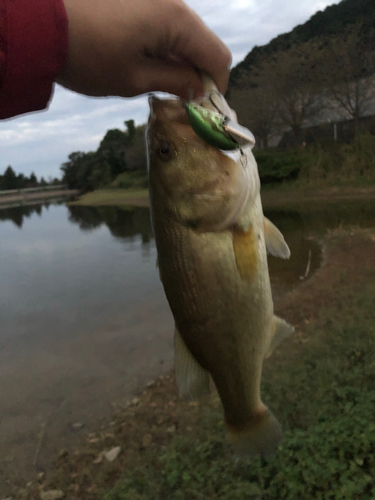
(246, 253)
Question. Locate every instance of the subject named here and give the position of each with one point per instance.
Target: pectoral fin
(192, 380)
(282, 330)
(275, 242)
(246, 252)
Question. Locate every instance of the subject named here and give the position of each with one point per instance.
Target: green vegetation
(11, 180)
(131, 180)
(321, 165)
(278, 166)
(322, 389)
(119, 162)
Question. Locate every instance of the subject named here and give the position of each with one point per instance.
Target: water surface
(83, 318)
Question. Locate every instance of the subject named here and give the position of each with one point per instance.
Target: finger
(203, 49)
(179, 80)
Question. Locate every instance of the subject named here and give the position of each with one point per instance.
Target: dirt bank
(24, 198)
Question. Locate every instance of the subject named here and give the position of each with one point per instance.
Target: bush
(131, 180)
(278, 166)
(325, 163)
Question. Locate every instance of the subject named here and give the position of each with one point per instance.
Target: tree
(136, 157)
(113, 150)
(9, 180)
(33, 180)
(293, 80)
(349, 72)
(22, 181)
(86, 171)
(256, 109)
(131, 131)
(101, 174)
(77, 170)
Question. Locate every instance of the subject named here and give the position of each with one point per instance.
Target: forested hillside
(334, 20)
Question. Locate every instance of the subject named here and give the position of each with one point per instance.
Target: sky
(41, 142)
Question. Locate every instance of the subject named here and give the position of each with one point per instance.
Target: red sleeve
(33, 51)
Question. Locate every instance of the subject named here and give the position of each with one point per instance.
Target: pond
(83, 318)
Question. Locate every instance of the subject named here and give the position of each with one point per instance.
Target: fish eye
(164, 151)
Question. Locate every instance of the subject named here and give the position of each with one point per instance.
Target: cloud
(42, 141)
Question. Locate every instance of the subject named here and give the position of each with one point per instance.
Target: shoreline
(15, 200)
(271, 197)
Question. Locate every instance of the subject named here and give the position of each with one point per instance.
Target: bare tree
(349, 73)
(294, 77)
(256, 110)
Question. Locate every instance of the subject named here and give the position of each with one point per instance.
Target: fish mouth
(168, 110)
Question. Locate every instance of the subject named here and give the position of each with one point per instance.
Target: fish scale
(211, 239)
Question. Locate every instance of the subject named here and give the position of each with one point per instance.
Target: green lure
(209, 126)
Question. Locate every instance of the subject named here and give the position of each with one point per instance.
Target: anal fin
(282, 330)
(275, 242)
(192, 380)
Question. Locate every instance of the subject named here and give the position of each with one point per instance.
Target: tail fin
(260, 437)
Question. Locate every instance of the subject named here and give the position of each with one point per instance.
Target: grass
(322, 390)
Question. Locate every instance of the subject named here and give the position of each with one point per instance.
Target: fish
(212, 241)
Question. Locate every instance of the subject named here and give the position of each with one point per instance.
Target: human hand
(130, 47)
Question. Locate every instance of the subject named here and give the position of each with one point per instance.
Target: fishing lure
(217, 129)
(209, 126)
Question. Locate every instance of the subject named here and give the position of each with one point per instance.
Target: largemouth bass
(212, 241)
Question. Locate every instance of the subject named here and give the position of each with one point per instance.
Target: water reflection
(127, 222)
(122, 223)
(300, 224)
(296, 225)
(18, 214)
